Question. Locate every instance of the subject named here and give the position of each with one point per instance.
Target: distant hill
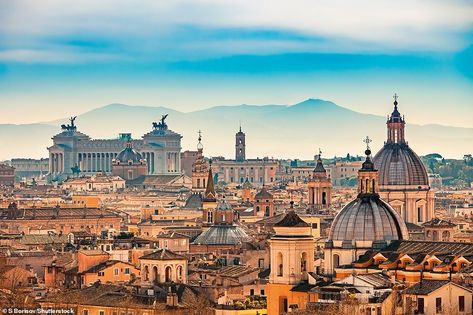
(282, 131)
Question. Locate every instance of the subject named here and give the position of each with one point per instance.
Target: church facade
(237, 171)
(73, 151)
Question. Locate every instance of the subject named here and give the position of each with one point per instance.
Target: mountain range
(280, 131)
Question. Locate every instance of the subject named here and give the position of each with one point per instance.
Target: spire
(319, 168)
(199, 144)
(367, 165)
(367, 175)
(396, 115)
(210, 195)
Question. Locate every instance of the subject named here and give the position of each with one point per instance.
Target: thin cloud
(149, 27)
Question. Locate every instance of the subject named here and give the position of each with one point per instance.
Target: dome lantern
(367, 175)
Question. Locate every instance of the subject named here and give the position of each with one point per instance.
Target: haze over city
(59, 58)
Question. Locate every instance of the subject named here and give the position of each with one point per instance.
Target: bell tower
(200, 169)
(240, 145)
(320, 187)
(209, 200)
(292, 258)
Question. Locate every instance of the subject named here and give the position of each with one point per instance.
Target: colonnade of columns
(56, 163)
(173, 161)
(149, 156)
(94, 162)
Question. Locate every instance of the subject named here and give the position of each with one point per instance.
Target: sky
(62, 58)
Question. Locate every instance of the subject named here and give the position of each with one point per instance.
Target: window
(262, 292)
(461, 303)
(420, 305)
(85, 312)
(116, 271)
(101, 273)
(252, 292)
(261, 263)
(419, 214)
(336, 261)
(438, 305)
(101, 312)
(280, 265)
(304, 262)
(127, 271)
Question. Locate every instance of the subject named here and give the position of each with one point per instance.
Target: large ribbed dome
(368, 218)
(399, 165)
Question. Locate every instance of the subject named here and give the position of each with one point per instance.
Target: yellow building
(292, 258)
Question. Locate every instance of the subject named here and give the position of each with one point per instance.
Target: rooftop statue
(162, 124)
(71, 126)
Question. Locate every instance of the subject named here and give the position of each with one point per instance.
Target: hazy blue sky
(59, 58)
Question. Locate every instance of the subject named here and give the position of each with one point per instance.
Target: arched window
(267, 211)
(155, 274)
(435, 236)
(146, 273)
(257, 208)
(179, 273)
(168, 274)
(209, 217)
(304, 261)
(445, 236)
(324, 198)
(336, 261)
(280, 264)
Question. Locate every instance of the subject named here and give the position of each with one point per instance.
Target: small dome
(368, 218)
(399, 165)
(223, 234)
(129, 154)
(223, 205)
(263, 194)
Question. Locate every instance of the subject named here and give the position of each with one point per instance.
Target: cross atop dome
(367, 140)
(367, 164)
(199, 144)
